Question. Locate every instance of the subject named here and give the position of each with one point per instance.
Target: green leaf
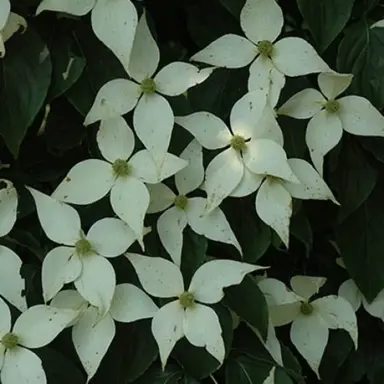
(361, 52)
(155, 375)
(302, 230)
(25, 78)
(325, 19)
(248, 302)
(361, 243)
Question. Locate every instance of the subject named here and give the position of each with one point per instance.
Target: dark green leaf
(155, 375)
(302, 230)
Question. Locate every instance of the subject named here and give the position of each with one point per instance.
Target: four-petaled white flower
(153, 117)
(330, 116)
(11, 282)
(185, 316)
(93, 335)
(262, 22)
(34, 328)
(187, 210)
(83, 258)
(90, 180)
(311, 320)
(244, 147)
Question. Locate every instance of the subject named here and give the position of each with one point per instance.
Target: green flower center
(121, 168)
(181, 202)
(187, 300)
(238, 143)
(306, 308)
(265, 48)
(332, 106)
(10, 340)
(148, 86)
(83, 247)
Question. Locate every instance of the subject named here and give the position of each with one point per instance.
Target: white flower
(330, 116)
(153, 117)
(34, 328)
(82, 258)
(262, 22)
(187, 210)
(91, 335)
(271, 377)
(90, 180)
(260, 154)
(311, 320)
(185, 316)
(113, 22)
(11, 282)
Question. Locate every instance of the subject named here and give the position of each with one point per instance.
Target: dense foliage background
(42, 137)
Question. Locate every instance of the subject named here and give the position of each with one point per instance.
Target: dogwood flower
(186, 316)
(113, 22)
(34, 328)
(311, 320)
(11, 282)
(331, 115)
(91, 179)
(243, 147)
(271, 377)
(186, 210)
(91, 335)
(82, 259)
(153, 117)
(262, 22)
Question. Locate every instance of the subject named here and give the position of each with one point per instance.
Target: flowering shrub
(191, 191)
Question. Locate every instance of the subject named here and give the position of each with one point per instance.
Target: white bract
(331, 115)
(34, 328)
(185, 316)
(311, 320)
(82, 259)
(113, 22)
(262, 22)
(153, 117)
(244, 147)
(91, 335)
(121, 174)
(186, 210)
(11, 282)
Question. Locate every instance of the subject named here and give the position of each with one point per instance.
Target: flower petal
(162, 197)
(69, 299)
(40, 324)
(271, 377)
(310, 335)
(170, 227)
(73, 7)
(261, 20)
(311, 186)
(376, 307)
(8, 207)
(228, 51)
(87, 182)
(171, 166)
(131, 304)
(349, 291)
(115, 98)
(295, 57)
(333, 84)
(277, 293)
(110, 237)
(60, 267)
(207, 285)
(5, 9)
(167, 328)
(115, 139)
(249, 183)
(130, 201)
(158, 276)
(359, 117)
(247, 112)
(268, 127)
(222, 176)
(213, 225)
(5, 318)
(145, 54)
(274, 207)
(210, 131)
(60, 222)
(202, 329)
(192, 176)
(91, 338)
(303, 105)
(324, 131)
(114, 23)
(177, 77)
(307, 286)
